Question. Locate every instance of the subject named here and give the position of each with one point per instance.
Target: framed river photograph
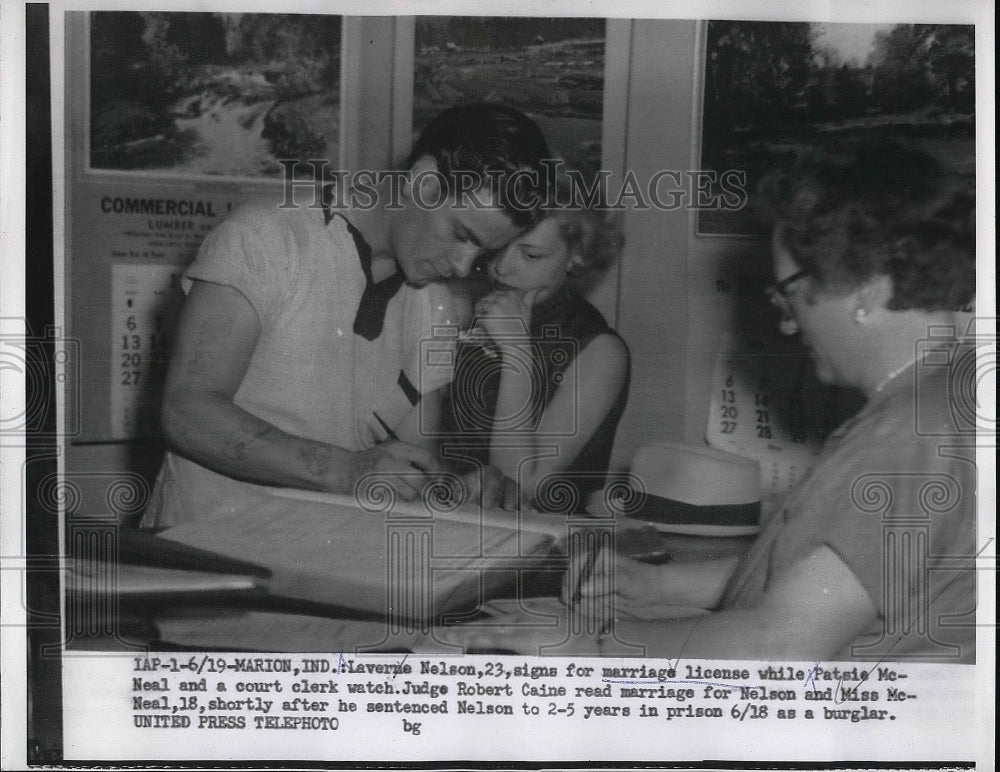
(178, 93)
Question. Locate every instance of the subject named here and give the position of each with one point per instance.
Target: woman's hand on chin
(506, 312)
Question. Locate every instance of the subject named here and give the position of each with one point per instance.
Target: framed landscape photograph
(772, 88)
(219, 94)
(552, 69)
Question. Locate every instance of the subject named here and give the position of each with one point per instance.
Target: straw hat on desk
(692, 489)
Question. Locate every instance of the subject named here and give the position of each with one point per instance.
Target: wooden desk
(134, 623)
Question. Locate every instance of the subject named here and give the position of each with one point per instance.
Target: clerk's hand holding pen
(650, 588)
(630, 583)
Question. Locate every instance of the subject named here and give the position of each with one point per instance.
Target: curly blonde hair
(596, 235)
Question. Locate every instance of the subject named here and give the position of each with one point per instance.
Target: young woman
(542, 380)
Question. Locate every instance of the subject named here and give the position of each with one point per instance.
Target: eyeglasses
(777, 293)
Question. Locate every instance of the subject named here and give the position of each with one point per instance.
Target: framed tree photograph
(771, 89)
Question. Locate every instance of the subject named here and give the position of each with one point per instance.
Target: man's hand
(404, 467)
(487, 487)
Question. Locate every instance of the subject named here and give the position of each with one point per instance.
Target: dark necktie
(370, 318)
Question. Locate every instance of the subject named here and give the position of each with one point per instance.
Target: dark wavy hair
(850, 213)
(496, 143)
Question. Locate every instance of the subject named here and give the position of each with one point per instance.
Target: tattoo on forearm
(250, 433)
(317, 459)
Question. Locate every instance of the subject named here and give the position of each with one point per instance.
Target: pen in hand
(593, 552)
(604, 619)
(390, 434)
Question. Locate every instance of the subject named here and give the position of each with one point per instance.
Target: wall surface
(668, 314)
(652, 302)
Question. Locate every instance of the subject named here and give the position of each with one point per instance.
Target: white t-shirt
(310, 375)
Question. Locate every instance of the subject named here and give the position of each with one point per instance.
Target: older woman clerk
(870, 555)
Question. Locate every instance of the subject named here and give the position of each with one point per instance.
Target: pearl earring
(859, 315)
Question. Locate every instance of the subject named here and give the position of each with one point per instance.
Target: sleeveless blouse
(561, 327)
